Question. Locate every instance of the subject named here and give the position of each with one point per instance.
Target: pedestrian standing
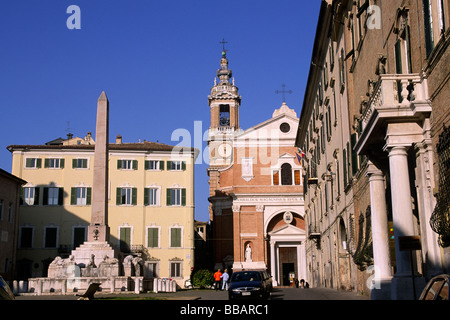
(217, 278)
(225, 276)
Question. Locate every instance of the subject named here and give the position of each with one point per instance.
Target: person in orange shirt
(217, 277)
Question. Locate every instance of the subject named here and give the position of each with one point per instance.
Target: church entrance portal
(288, 265)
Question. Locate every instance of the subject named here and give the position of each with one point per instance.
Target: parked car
(250, 284)
(5, 290)
(437, 288)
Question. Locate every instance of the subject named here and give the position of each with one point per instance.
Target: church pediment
(287, 230)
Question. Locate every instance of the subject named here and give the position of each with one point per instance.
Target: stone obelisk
(97, 246)
(98, 230)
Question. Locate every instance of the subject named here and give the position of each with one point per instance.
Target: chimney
(119, 139)
(69, 136)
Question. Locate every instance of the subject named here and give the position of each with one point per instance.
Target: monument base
(93, 252)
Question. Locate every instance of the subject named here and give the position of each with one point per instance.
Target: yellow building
(150, 211)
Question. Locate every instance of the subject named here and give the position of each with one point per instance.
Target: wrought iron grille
(440, 219)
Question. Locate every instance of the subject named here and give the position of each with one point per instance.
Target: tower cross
(283, 91)
(223, 44)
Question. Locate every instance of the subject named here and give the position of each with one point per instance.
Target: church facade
(256, 181)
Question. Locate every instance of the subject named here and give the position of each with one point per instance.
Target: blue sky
(156, 61)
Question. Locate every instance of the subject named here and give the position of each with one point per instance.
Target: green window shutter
(88, 196)
(85, 163)
(183, 197)
(118, 196)
(169, 165)
(161, 165)
(36, 196)
(168, 197)
(46, 163)
(175, 237)
(152, 236)
(28, 163)
(125, 239)
(344, 165)
(135, 164)
(183, 165)
(134, 196)
(146, 164)
(38, 163)
(354, 155)
(60, 196)
(146, 198)
(61, 163)
(73, 196)
(45, 200)
(74, 163)
(119, 164)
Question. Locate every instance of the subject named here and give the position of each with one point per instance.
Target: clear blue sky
(156, 61)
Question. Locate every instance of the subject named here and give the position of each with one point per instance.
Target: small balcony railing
(392, 93)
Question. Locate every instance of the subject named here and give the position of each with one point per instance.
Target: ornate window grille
(440, 219)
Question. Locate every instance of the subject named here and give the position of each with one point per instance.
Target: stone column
(380, 234)
(401, 205)
(273, 262)
(402, 286)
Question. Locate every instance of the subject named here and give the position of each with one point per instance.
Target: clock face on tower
(224, 150)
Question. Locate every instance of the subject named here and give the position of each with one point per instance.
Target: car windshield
(246, 276)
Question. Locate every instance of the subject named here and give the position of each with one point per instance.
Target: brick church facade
(256, 188)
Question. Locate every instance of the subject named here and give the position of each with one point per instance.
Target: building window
(10, 212)
(80, 196)
(276, 178)
(126, 196)
(53, 196)
(175, 237)
(127, 164)
(151, 269)
(33, 163)
(342, 70)
(125, 239)
(51, 237)
(54, 163)
(153, 237)
(26, 237)
(176, 197)
(175, 269)
(151, 196)
(30, 196)
(79, 163)
(286, 174)
(154, 165)
(176, 165)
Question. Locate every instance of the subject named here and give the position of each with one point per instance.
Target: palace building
(374, 129)
(150, 200)
(256, 181)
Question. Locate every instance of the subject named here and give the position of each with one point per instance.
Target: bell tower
(224, 102)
